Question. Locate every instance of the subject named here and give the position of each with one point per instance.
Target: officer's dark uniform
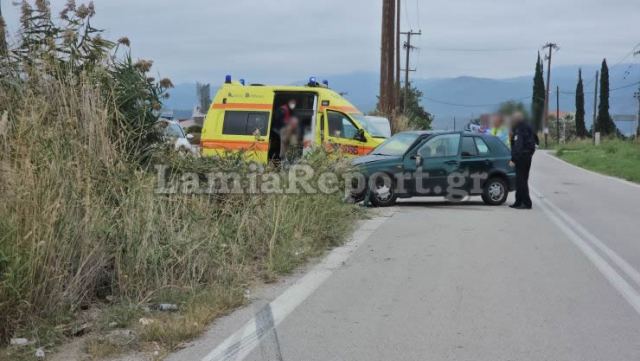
(523, 145)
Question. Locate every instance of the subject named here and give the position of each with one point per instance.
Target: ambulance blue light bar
(227, 79)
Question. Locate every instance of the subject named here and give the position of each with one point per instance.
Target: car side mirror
(360, 136)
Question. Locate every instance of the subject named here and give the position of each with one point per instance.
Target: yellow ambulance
(241, 116)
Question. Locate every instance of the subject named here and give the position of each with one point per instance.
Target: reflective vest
(502, 133)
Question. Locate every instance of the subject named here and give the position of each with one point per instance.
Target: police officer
(523, 145)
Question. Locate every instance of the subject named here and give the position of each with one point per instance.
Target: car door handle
(451, 162)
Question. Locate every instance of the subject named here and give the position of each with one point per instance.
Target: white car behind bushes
(173, 134)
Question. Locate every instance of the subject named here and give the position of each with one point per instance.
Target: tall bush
(79, 215)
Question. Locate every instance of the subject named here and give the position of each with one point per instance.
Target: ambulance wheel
(495, 192)
(382, 194)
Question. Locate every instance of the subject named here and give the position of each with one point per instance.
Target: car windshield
(368, 126)
(396, 145)
(173, 131)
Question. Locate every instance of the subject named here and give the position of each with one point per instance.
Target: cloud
(287, 40)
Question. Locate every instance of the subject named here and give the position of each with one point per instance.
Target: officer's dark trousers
(523, 166)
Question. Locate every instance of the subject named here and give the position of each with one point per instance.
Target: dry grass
(78, 224)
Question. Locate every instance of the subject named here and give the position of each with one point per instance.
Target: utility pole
(391, 80)
(398, 67)
(454, 123)
(545, 126)
(387, 59)
(637, 96)
(558, 113)
(594, 127)
(407, 68)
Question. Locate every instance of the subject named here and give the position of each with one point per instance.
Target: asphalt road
(440, 281)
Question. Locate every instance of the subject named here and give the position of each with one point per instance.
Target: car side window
(483, 148)
(469, 148)
(340, 126)
(446, 145)
(245, 123)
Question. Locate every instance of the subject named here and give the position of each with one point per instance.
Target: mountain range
(465, 97)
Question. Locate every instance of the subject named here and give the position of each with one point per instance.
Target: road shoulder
(241, 330)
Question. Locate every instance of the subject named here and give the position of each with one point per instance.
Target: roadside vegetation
(413, 116)
(86, 245)
(615, 157)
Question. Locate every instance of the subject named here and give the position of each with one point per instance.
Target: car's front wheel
(382, 194)
(495, 192)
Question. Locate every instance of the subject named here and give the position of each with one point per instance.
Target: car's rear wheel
(495, 192)
(382, 193)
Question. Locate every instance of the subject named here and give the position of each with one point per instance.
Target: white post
(597, 138)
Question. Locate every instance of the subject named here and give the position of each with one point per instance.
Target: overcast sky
(288, 40)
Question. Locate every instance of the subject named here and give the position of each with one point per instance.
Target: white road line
(595, 241)
(240, 344)
(616, 179)
(613, 277)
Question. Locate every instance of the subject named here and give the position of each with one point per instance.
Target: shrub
(79, 219)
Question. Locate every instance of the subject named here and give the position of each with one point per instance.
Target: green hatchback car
(427, 163)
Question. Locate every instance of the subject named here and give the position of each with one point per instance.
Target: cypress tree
(537, 100)
(605, 124)
(3, 37)
(581, 129)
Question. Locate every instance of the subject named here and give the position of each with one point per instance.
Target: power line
(628, 71)
(418, 13)
(471, 105)
(419, 61)
(463, 105)
(406, 15)
(624, 86)
(478, 50)
(630, 53)
(610, 90)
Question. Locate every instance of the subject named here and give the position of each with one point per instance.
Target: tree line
(604, 123)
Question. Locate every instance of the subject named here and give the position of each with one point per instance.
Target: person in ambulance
(285, 126)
